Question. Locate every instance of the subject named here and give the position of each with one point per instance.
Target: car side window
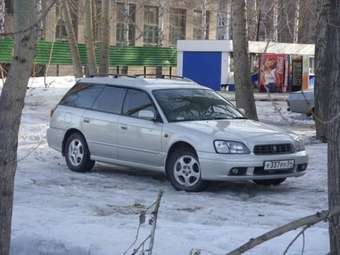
(110, 100)
(137, 101)
(82, 95)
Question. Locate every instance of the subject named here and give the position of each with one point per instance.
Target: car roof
(149, 84)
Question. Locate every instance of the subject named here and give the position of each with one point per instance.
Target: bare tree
(105, 37)
(327, 92)
(204, 25)
(89, 38)
(2, 16)
(244, 90)
(322, 71)
(287, 17)
(253, 11)
(224, 20)
(72, 39)
(11, 105)
(307, 21)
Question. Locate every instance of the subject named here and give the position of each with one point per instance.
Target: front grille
(267, 149)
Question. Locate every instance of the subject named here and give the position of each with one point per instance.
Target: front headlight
(230, 147)
(299, 144)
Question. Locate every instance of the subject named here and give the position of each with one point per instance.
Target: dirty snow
(60, 212)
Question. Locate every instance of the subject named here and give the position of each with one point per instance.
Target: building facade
(137, 22)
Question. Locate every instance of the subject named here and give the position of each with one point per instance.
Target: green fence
(119, 56)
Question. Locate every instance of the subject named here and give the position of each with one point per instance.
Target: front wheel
(184, 171)
(77, 154)
(270, 182)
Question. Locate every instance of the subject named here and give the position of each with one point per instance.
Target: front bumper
(217, 166)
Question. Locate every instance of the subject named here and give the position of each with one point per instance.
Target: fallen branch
(140, 249)
(305, 221)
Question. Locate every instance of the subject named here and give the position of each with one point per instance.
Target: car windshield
(195, 104)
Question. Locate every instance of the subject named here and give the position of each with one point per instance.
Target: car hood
(247, 131)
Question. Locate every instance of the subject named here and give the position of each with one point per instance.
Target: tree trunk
(287, 20)
(2, 16)
(161, 22)
(252, 18)
(244, 90)
(11, 105)
(330, 55)
(322, 72)
(90, 44)
(105, 37)
(224, 20)
(204, 8)
(328, 103)
(307, 21)
(77, 68)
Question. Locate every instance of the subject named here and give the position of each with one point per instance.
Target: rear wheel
(270, 182)
(184, 171)
(77, 154)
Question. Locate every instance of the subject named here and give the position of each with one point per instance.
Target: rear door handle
(86, 120)
(124, 127)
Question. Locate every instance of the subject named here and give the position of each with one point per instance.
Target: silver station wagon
(174, 126)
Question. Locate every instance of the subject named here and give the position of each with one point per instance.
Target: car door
(139, 139)
(100, 124)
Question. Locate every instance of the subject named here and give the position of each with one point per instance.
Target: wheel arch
(176, 146)
(67, 135)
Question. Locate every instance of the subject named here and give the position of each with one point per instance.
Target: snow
(57, 211)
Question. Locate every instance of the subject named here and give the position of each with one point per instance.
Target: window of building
(9, 8)
(151, 29)
(124, 15)
(197, 25)
(177, 25)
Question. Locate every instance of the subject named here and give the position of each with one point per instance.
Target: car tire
(270, 182)
(184, 171)
(77, 154)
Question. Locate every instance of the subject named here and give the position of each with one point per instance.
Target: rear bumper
(55, 138)
(217, 166)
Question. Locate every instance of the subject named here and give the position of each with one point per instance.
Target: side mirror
(242, 111)
(147, 115)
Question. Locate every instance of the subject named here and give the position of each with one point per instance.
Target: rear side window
(82, 95)
(137, 101)
(110, 100)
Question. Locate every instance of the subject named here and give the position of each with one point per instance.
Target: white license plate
(278, 164)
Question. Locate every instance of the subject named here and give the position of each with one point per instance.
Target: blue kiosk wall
(203, 67)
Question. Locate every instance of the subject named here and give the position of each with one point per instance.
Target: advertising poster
(272, 72)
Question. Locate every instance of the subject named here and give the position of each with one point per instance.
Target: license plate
(278, 164)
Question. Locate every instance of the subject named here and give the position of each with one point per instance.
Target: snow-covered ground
(57, 211)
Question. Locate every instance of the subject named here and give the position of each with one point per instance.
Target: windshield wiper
(240, 118)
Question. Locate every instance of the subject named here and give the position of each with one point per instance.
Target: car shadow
(216, 187)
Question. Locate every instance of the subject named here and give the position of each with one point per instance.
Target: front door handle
(124, 127)
(86, 120)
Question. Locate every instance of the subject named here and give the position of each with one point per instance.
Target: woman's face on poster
(270, 63)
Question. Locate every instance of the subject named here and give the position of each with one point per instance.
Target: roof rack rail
(113, 75)
(159, 76)
(164, 76)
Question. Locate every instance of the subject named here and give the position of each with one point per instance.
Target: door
(100, 124)
(203, 67)
(139, 138)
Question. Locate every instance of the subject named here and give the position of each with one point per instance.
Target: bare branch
(305, 221)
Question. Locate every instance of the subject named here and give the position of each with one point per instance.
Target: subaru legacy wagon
(174, 126)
